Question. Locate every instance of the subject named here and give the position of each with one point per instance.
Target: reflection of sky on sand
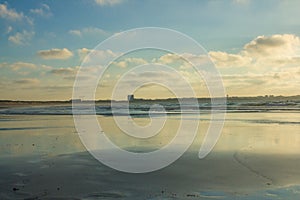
(256, 157)
(264, 133)
(38, 135)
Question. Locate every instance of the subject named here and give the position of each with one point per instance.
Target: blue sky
(223, 28)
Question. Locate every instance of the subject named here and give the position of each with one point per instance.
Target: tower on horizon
(130, 97)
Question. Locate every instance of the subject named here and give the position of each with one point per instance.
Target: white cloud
(96, 57)
(223, 59)
(88, 31)
(160, 77)
(13, 15)
(278, 83)
(273, 46)
(108, 2)
(83, 52)
(10, 14)
(22, 38)
(156, 83)
(43, 11)
(121, 64)
(65, 71)
(25, 68)
(184, 58)
(266, 65)
(274, 51)
(169, 58)
(75, 32)
(59, 54)
(130, 61)
(21, 65)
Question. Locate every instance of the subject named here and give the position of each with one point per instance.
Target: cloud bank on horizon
(255, 45)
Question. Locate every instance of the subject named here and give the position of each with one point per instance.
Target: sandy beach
(43, 158)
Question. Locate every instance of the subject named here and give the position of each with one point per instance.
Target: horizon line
(156, 99)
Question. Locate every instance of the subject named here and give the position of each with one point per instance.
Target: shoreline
(266, 98)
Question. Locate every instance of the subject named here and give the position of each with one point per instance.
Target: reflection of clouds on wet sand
(38, 135)
(42, 157)
(79, 175)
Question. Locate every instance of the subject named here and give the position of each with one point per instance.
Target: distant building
(130, 97)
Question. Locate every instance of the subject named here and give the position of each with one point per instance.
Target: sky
(254, 44)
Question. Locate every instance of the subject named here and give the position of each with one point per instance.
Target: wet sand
(79, 176)
(43, 158)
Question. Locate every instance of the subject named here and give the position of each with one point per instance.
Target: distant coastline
(266, 98)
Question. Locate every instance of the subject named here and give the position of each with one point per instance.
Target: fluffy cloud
(18, 65)
(273, 46)
(10, 14)
(223, 59)
(59, 54)
(88, 31)
(274, 51)
(21, 65)
(130, 61)
(64, 71)
(184, 58)
(43, 11)
(96, 57)
(284, 82)
(265, 65)
(108, 2)
(22, 38)
(13, 15)
(83, 52)
(158, 82)
(169, 58)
